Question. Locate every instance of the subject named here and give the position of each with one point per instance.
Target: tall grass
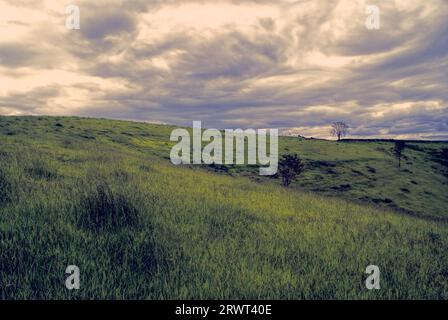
(101, 208)
(140, 228)
(5, 188)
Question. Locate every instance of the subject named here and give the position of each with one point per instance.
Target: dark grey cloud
(17, 55)
(31, 101)
(108, 22)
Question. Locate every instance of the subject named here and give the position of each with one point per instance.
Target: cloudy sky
(232, 63)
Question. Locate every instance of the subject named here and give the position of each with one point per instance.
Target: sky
(293, 65)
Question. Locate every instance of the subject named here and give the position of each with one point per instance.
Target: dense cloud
(296, 65)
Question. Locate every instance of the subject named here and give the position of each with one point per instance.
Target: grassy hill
(103, 195)
(366, 171)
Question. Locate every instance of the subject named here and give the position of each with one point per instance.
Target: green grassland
(103, 195)
(367, 172)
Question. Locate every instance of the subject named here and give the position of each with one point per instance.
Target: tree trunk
(285, 181)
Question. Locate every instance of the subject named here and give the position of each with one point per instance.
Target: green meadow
(103, 195)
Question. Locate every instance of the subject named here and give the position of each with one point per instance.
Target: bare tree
(289, 167)
(339, 129)
(398, 151)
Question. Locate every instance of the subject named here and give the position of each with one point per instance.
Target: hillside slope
(102, 195)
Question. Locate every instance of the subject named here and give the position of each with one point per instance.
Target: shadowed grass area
(141, 228)
(101, 208)
(5, 188)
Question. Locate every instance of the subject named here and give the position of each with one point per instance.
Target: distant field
(103, 195)
(367, 172)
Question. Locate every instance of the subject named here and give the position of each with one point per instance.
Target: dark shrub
(371, 170)
(444, 156)
(289, 167)
(342, 187)
(105, 209)
(218, 168)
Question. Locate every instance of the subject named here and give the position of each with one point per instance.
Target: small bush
(289, 167)
(105, 209)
